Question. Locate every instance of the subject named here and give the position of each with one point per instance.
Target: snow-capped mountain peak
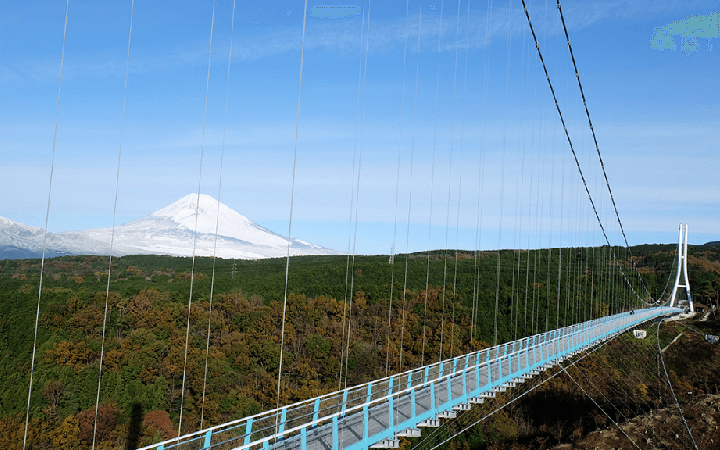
(171, 230)
(205, 221)
(168, 231)
(184, 210)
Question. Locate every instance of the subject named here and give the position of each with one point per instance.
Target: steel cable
(45, 233)
(597, 147)
(112, 235)
(217, 219)
(292, 203)
(195, 233)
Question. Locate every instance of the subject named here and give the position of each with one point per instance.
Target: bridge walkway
(376, 413)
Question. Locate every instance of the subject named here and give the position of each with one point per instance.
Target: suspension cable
(352, 206)
(519, 189)
(292, 202)
(195, 233)
(112, 236)
(597, 147)
(217, 219)
(432, 189)
(672, 391)
(45, 233)
(599, 407)
(572, 149)
(502, 173)
(357, 191)
(462, 136)
(667, 283)
(412, 157)
(449, 191)
(397, 189)
(541, 200)
(481, 179)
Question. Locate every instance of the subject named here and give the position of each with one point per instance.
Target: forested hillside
(444, 295)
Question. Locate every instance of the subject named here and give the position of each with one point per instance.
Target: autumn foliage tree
(106, 421)
(158, 424)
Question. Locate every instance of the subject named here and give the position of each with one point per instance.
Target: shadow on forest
(134, 426)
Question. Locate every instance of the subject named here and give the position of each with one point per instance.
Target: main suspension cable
(597, 147)
(572, 149)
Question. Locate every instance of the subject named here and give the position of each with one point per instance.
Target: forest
(344, 321)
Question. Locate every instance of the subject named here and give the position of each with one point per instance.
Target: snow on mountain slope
(231, 224)
(22, 241)
(170, 231)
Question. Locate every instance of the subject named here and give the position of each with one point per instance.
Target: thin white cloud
(343, 36)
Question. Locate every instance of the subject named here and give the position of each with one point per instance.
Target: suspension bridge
(375, 414)
(378, 413)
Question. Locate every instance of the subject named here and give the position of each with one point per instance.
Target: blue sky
(485, 133)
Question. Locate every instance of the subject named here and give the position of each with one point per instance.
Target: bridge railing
(501, 363)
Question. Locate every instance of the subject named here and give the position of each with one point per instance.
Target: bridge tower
(682, 266)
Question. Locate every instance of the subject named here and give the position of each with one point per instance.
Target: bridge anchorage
(377, 414)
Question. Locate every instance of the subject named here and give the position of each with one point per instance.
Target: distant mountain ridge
(18, 241)
(168, 231)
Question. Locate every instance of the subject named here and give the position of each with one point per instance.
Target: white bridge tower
(682, 266)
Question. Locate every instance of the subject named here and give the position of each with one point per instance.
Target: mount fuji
(168, 231)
